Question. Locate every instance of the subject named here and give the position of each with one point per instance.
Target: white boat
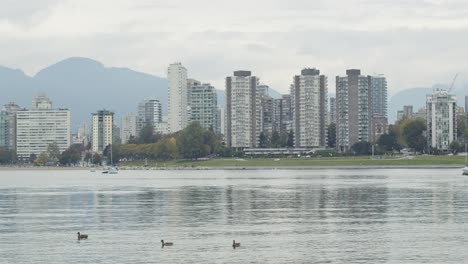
(111, 169)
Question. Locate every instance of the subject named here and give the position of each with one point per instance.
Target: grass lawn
(335, 161)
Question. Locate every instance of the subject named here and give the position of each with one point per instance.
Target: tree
(190, 142)
(275, 140)
(389, 142)
(413, 134)
(290, 141)
(7, 156)
(132, 140)
(32, 158)
(97, 159)
(362, 148)
(455, 146)
(53, 151)
(331, 134)
(147, 135)
(166, 149)
(210, 140)
(70, 156)
(42, 159)
(263, 140)
(462, 128)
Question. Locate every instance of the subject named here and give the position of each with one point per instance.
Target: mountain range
(84, 85)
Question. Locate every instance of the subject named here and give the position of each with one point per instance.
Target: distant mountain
(83, 86)
(417, 98)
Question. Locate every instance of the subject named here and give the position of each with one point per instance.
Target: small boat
(465, 170)
(111, 170)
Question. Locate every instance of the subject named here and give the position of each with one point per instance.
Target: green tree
(53, 151)
(42, 159)
(462, 128)
(290, 141)
(362, 148)
(132, 140)
(97, 159)
(263, 140)
(147, 135)
(389, 142)
(331, 134)
(32, 158)
(455, 146)
(413, 134)
(7, 156)
(166, 149)
(210, 140)
(70, 156)
(275, 141)
(190, 142)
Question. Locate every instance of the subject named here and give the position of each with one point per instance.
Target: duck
(82, 236)
(235, 244)
(166, 243)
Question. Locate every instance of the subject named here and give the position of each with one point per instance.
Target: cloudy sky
(413, 42)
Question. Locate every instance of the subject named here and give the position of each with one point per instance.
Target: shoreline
(233, 168)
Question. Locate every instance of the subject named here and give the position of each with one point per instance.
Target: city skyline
(379, 36)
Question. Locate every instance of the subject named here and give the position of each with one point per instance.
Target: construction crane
(453, 83)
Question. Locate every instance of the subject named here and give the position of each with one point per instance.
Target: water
(323, 216)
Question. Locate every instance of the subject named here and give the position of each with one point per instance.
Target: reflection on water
(329, 216)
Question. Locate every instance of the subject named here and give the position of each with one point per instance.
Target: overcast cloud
(414, 43)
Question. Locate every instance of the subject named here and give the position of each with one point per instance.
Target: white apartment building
(203, 102)
(243, 110)
(352, 109)
(177, 97)
(102, 127)
(38, 128)
(310, 110)
(441, 119)
(128, 127)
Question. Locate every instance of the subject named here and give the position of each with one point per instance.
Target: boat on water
(112, 169)
(465, 170)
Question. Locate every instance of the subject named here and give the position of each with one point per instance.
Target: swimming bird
(234, 244)
(166, 243)
(82, 236)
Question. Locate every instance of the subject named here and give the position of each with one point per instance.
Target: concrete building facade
(102, 130)
(378, 106)
(41, 126)
(177, 97)
(332, 115)
(128, 127)
(352, 109)
(441, 119)
(243, 110)
(203, 105)
(310, 109)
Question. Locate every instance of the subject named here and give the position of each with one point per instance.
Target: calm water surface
(322, 216)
